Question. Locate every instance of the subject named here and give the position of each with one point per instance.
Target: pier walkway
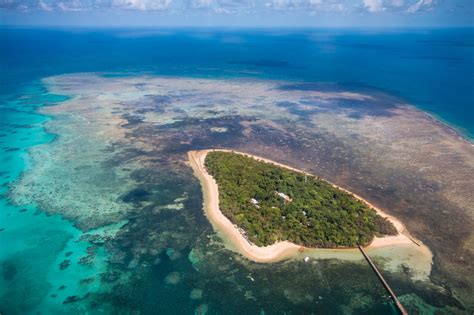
(398, 304)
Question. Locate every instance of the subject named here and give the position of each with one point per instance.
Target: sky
(239, 13)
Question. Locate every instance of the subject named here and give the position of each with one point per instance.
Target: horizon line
(256, 27)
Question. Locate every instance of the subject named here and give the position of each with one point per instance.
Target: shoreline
(283, 250)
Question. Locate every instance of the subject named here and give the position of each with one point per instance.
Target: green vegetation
(318, 214)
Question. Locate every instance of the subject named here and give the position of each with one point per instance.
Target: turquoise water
(34, 244)
(431, 69)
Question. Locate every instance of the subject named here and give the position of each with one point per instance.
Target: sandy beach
(234, 239)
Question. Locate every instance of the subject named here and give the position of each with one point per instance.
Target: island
(268, 211)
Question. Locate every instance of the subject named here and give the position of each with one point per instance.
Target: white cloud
(398, 3)
(338, 7)
(385, 5)
(14, 5)
(374, 5)
(284, 4)
(229, 7)
(325, 6)
(202, 3)
(44, 6)
(73, 5)
(309, 5)
(23, 7)
(421, 5)
(222, 11)
(142, 5)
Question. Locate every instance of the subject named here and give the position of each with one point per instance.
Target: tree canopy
(315, 214)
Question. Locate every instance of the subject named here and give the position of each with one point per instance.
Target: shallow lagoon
(33, 244)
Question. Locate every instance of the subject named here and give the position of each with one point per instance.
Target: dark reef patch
(375, 105)
(132, 120)
(138, 194)
(75, 298)
(151, 103)
(11, 149)
(64, 264)
(86, 281)
(9, 270)
(191, 133)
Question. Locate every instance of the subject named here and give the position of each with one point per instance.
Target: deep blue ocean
(431, 69)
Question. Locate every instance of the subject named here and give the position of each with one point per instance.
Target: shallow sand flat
(285, 250)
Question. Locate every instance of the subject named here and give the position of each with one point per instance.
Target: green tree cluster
(318, 215)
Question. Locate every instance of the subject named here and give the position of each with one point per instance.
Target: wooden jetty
(398, 304)
(413, 240)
